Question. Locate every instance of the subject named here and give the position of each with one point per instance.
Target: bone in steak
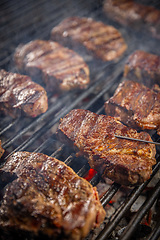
(58, 67)
(103, 41)
(133, 14)
(143, 67)
(18, 93)
(47, 197)
(136, 105)
(125, 162)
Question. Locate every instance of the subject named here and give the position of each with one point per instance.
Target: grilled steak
(126, 162)
(58, 67)
(143, 67)
(135, 105)
(18, 93)
(133, 14)
(103, 41)
(47, 197)
(1, 150)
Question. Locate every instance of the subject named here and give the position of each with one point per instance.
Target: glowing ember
(90, 174)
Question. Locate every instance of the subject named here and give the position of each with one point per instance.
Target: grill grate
(22, 21)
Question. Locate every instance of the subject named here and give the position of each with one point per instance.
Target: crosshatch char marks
(102, 41)
(60, 68)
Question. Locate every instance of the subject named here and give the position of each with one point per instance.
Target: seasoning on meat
(47, 197)
(136, 105)
(101, 40)
(133, 14)
(18, 93)
(58, 67)
(1, 150)
(143, 67)
(124, 161)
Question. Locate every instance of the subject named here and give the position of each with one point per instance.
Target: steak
(60, 68)
(1, 150)
(133, 14)
(123, 161)
(19, 94)
(45, 196)
(102, 41)
(136, 105)
(143, 67)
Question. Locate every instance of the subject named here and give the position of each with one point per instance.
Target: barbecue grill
(23, 21)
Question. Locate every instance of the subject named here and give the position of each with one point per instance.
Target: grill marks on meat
(103, 41)
(131, 13)
(136, 105)
(143, 67)
(123, 161)
(18, 93)
(59, 67)
(49, 198)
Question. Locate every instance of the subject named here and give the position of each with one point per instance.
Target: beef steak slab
(124, 161)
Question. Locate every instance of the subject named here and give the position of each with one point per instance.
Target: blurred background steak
(103, 41)
(125, 162)
(134, 14)
(18, 93)
(143, 67)
(136, 105)
(58, 67)
(48, 197)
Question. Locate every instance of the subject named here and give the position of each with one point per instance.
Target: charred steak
(143, 67)
(58, 67)
(133, 14)
(47, 197)
(136, 105)
(125, 162)
(103, 41)
(19, 94)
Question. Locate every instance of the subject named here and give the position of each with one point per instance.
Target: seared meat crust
(18, 93)
(47, 197)
(143, 67)
(135, 105)
(103, 41)
(133, 14)
(58, 67)
(126, 162)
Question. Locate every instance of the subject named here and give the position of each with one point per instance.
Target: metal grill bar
(125, 207)
(155, 234)
(103, 78)
(141, 213)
